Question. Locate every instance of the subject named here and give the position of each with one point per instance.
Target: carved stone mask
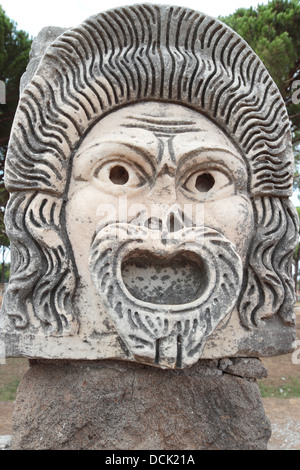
(150, 167)
(157, 199)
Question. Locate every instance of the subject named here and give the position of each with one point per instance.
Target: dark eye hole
(118, 175)
(204, 182)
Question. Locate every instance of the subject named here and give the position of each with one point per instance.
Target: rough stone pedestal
(127, 406)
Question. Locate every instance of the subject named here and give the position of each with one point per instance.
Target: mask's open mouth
(164, 280)
(165, 299)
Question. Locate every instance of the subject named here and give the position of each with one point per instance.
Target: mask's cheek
(233, 217)
(85, 210)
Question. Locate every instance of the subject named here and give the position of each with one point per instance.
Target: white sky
(33, 15)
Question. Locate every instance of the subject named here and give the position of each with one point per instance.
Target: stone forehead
(148, 52)
(150, 121)
(164, 133)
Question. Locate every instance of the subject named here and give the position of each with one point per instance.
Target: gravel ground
(284, 414)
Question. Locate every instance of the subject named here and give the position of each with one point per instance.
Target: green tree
(273, 32)
(14, 55)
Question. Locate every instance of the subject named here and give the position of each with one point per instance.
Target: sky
(33, 15)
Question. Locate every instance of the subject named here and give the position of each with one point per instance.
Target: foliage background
(273, 32)
(14, 56)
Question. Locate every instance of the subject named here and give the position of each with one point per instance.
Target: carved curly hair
(123, 56)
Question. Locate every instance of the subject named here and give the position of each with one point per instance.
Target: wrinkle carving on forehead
(161, 132)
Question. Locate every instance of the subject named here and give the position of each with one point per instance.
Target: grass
(9, 390)
(278, 387)
(10, 375)
(290, 388)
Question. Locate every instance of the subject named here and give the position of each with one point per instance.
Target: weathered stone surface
(121, 405)
(250, 367)
(39, 45)
(150, 168)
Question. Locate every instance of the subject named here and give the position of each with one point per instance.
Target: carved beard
(165, 291)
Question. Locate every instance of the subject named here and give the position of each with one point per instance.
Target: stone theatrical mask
(170, 269)
(150, 166)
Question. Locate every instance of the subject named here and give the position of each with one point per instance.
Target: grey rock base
(94, 405)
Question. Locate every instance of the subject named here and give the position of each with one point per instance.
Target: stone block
(117, 405)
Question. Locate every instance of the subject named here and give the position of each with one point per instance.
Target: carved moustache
(165, 291)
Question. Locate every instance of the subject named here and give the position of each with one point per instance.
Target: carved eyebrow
(144, 153)
(200, 150)
(141, 151)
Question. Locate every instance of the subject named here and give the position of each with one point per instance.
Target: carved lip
(164, 279)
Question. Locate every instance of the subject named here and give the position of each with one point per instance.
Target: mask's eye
(118, 174)
(206, 183)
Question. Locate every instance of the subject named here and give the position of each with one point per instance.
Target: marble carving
(150, 168)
